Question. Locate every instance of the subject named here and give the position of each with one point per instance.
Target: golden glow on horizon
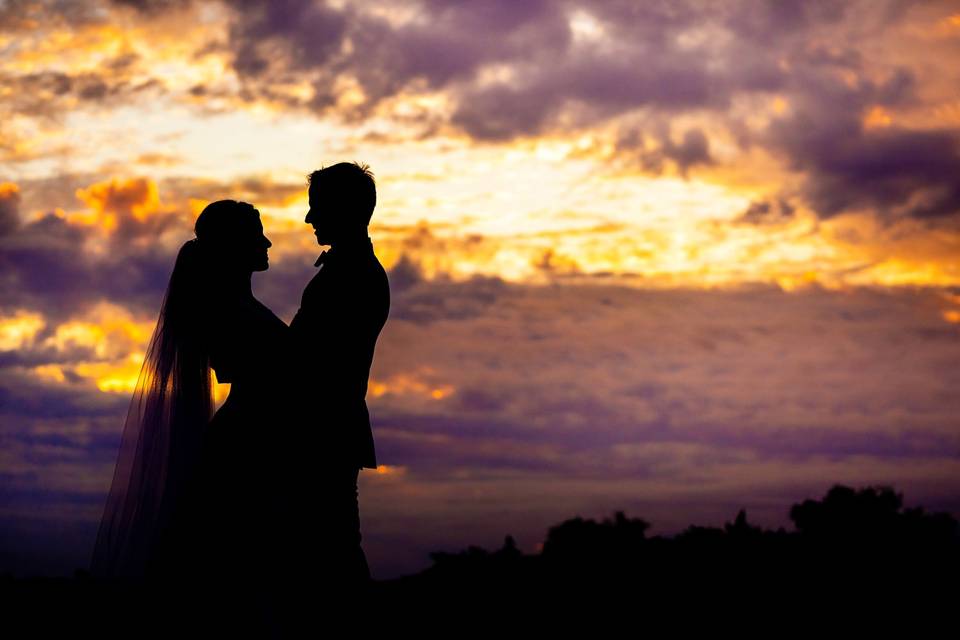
(115, 377)
(20, 329)
(877, 117)
(408, 384)
(110, 377)
(895, 272)
(701, 248)
(391, 469)
(107, 329)
(9, 190)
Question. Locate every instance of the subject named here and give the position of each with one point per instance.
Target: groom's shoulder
(356, 272)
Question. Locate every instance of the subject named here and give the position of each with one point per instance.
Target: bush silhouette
(868, 526)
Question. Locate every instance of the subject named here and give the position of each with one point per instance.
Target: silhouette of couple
(255, 507)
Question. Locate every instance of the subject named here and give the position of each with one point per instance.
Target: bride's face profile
(257, 245)
(233, 234)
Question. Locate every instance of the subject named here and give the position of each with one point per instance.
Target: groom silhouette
(343, 309)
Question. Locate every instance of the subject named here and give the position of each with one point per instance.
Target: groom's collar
(346, 247)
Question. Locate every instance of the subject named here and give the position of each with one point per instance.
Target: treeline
(852, 539)
(856, 555)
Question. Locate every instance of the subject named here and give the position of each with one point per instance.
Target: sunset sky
(673, 258)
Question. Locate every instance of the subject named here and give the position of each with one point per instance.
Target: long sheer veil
(163, 432)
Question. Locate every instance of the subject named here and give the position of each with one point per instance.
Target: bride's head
(230, 236)
(214, 267)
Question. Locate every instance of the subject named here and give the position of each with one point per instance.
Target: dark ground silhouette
(858, 554)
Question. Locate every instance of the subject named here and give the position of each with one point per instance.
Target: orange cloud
(9, 190)
(126, 210)
(391, 469)
(136, 197)
(404, 384)
(107, 331)
(9, 207)
(19, 330)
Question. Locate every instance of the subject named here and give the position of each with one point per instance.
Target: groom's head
(342, 198)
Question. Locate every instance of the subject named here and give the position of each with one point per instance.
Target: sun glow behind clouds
(534, 208)
(560, 205)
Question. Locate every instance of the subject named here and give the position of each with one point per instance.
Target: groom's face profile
(322, 217)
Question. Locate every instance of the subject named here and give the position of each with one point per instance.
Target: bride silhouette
(190, 503)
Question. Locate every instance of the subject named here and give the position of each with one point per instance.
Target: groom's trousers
(322, 527)
(324, 569)
(341, 560)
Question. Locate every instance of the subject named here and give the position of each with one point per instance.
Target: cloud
(546, 400)
(450, 300)
(548, 68)
(123, 200)
(590, 369)
(115, 240)
(847, 165)
(26, 15)
(9, 208)
(51, 94)
(120, 247)
(258, 190)
(694, 74)
(692, 150)
(151, 7)
(773, 211)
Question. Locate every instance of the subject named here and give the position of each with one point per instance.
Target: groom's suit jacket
(334, 333)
